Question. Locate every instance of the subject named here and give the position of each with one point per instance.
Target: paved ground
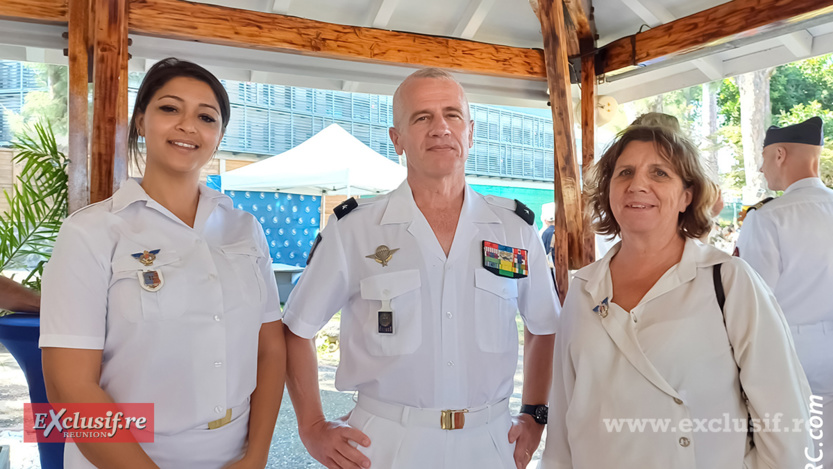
(287, 452)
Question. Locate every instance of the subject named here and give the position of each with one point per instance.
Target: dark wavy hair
(683, 156)
(160, 74)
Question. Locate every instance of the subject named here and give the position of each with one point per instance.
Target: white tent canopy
(330, 162)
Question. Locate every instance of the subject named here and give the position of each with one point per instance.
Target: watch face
(541, 414)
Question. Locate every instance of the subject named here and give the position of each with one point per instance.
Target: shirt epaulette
(761, 203)
(746, 210)
(341, 210)
(515, 205)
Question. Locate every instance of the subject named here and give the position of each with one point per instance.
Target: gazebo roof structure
(504, 51)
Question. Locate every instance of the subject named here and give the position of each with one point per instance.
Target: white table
(285, 276)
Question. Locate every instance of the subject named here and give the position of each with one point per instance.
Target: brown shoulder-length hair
(683, 157)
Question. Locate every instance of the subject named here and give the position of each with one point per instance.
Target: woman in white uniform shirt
(163, 294)
(643, 340)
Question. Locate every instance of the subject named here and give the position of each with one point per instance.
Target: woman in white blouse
(652, 365)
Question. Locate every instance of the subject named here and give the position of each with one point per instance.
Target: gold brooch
(382, 255)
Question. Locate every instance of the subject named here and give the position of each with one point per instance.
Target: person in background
(16, 297)
(548, 217)
(787, 240)
(164, 294)
(429, 279)
(667, 330)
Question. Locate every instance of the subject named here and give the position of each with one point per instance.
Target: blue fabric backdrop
(290, 221)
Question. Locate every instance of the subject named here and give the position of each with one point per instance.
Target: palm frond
(38, 203)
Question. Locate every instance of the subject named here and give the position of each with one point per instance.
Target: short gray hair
(430, 72)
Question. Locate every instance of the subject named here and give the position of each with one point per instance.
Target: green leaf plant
(37, 204)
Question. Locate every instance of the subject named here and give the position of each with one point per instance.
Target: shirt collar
(806, 182)
(131, 191)
(695, 255)
(402, 208)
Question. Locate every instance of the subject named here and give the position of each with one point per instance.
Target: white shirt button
(218, 409)
(448, 313)
(450, 363)
(218, 364)
(684, 442)
(679, 401)
(212, 276)
(217, 317)
(253, 249)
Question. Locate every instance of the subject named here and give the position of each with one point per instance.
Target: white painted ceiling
(508, 22)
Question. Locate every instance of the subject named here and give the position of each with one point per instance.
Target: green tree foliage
(728, 102)
(38, 203)
(802, 83)
(50, 105)
(798, 91)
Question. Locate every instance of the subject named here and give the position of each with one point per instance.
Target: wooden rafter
(568, 220)
(79, 53)
(708, 27)
(37, 11)
(108, 156)
(588, 150)
(176, 19)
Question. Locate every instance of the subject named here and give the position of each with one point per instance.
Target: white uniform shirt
(190, 347)
(788, 242)
(675, 362)
(455, 339)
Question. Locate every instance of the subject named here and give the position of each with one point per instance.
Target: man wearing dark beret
(788, 241)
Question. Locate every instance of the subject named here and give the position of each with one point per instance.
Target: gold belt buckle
(215, 424)
(453, 419)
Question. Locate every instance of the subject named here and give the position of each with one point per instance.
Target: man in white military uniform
(429, 279)
(788, 241)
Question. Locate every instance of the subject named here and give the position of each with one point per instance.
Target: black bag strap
(721, 300)
(718, 289)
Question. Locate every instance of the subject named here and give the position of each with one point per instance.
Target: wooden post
(79, 55)
(120, 162)
(568, 219)
(588, 141)
(110, 74)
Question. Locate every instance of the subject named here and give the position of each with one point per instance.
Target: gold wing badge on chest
(382, 255)
(150, 280)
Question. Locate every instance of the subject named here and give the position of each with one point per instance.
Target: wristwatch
(538, 412)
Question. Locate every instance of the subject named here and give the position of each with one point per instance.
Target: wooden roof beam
(37, 11)
(176, 19)
(580, 20)
(654, 15)
(715, 25)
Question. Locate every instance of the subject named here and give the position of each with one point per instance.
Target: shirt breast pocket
(495, 308)
(242, 257)
(402, 289)
(127, 297)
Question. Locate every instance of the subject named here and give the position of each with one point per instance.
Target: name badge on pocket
(151, 280)
(505, 261)
(386, 318)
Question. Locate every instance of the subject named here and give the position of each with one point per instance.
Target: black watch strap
(538, 412)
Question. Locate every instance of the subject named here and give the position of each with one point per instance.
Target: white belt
(823, 326)
(432, 418)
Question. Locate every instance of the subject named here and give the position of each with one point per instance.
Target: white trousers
(198, 448)
(814, 346)
(408, 438)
